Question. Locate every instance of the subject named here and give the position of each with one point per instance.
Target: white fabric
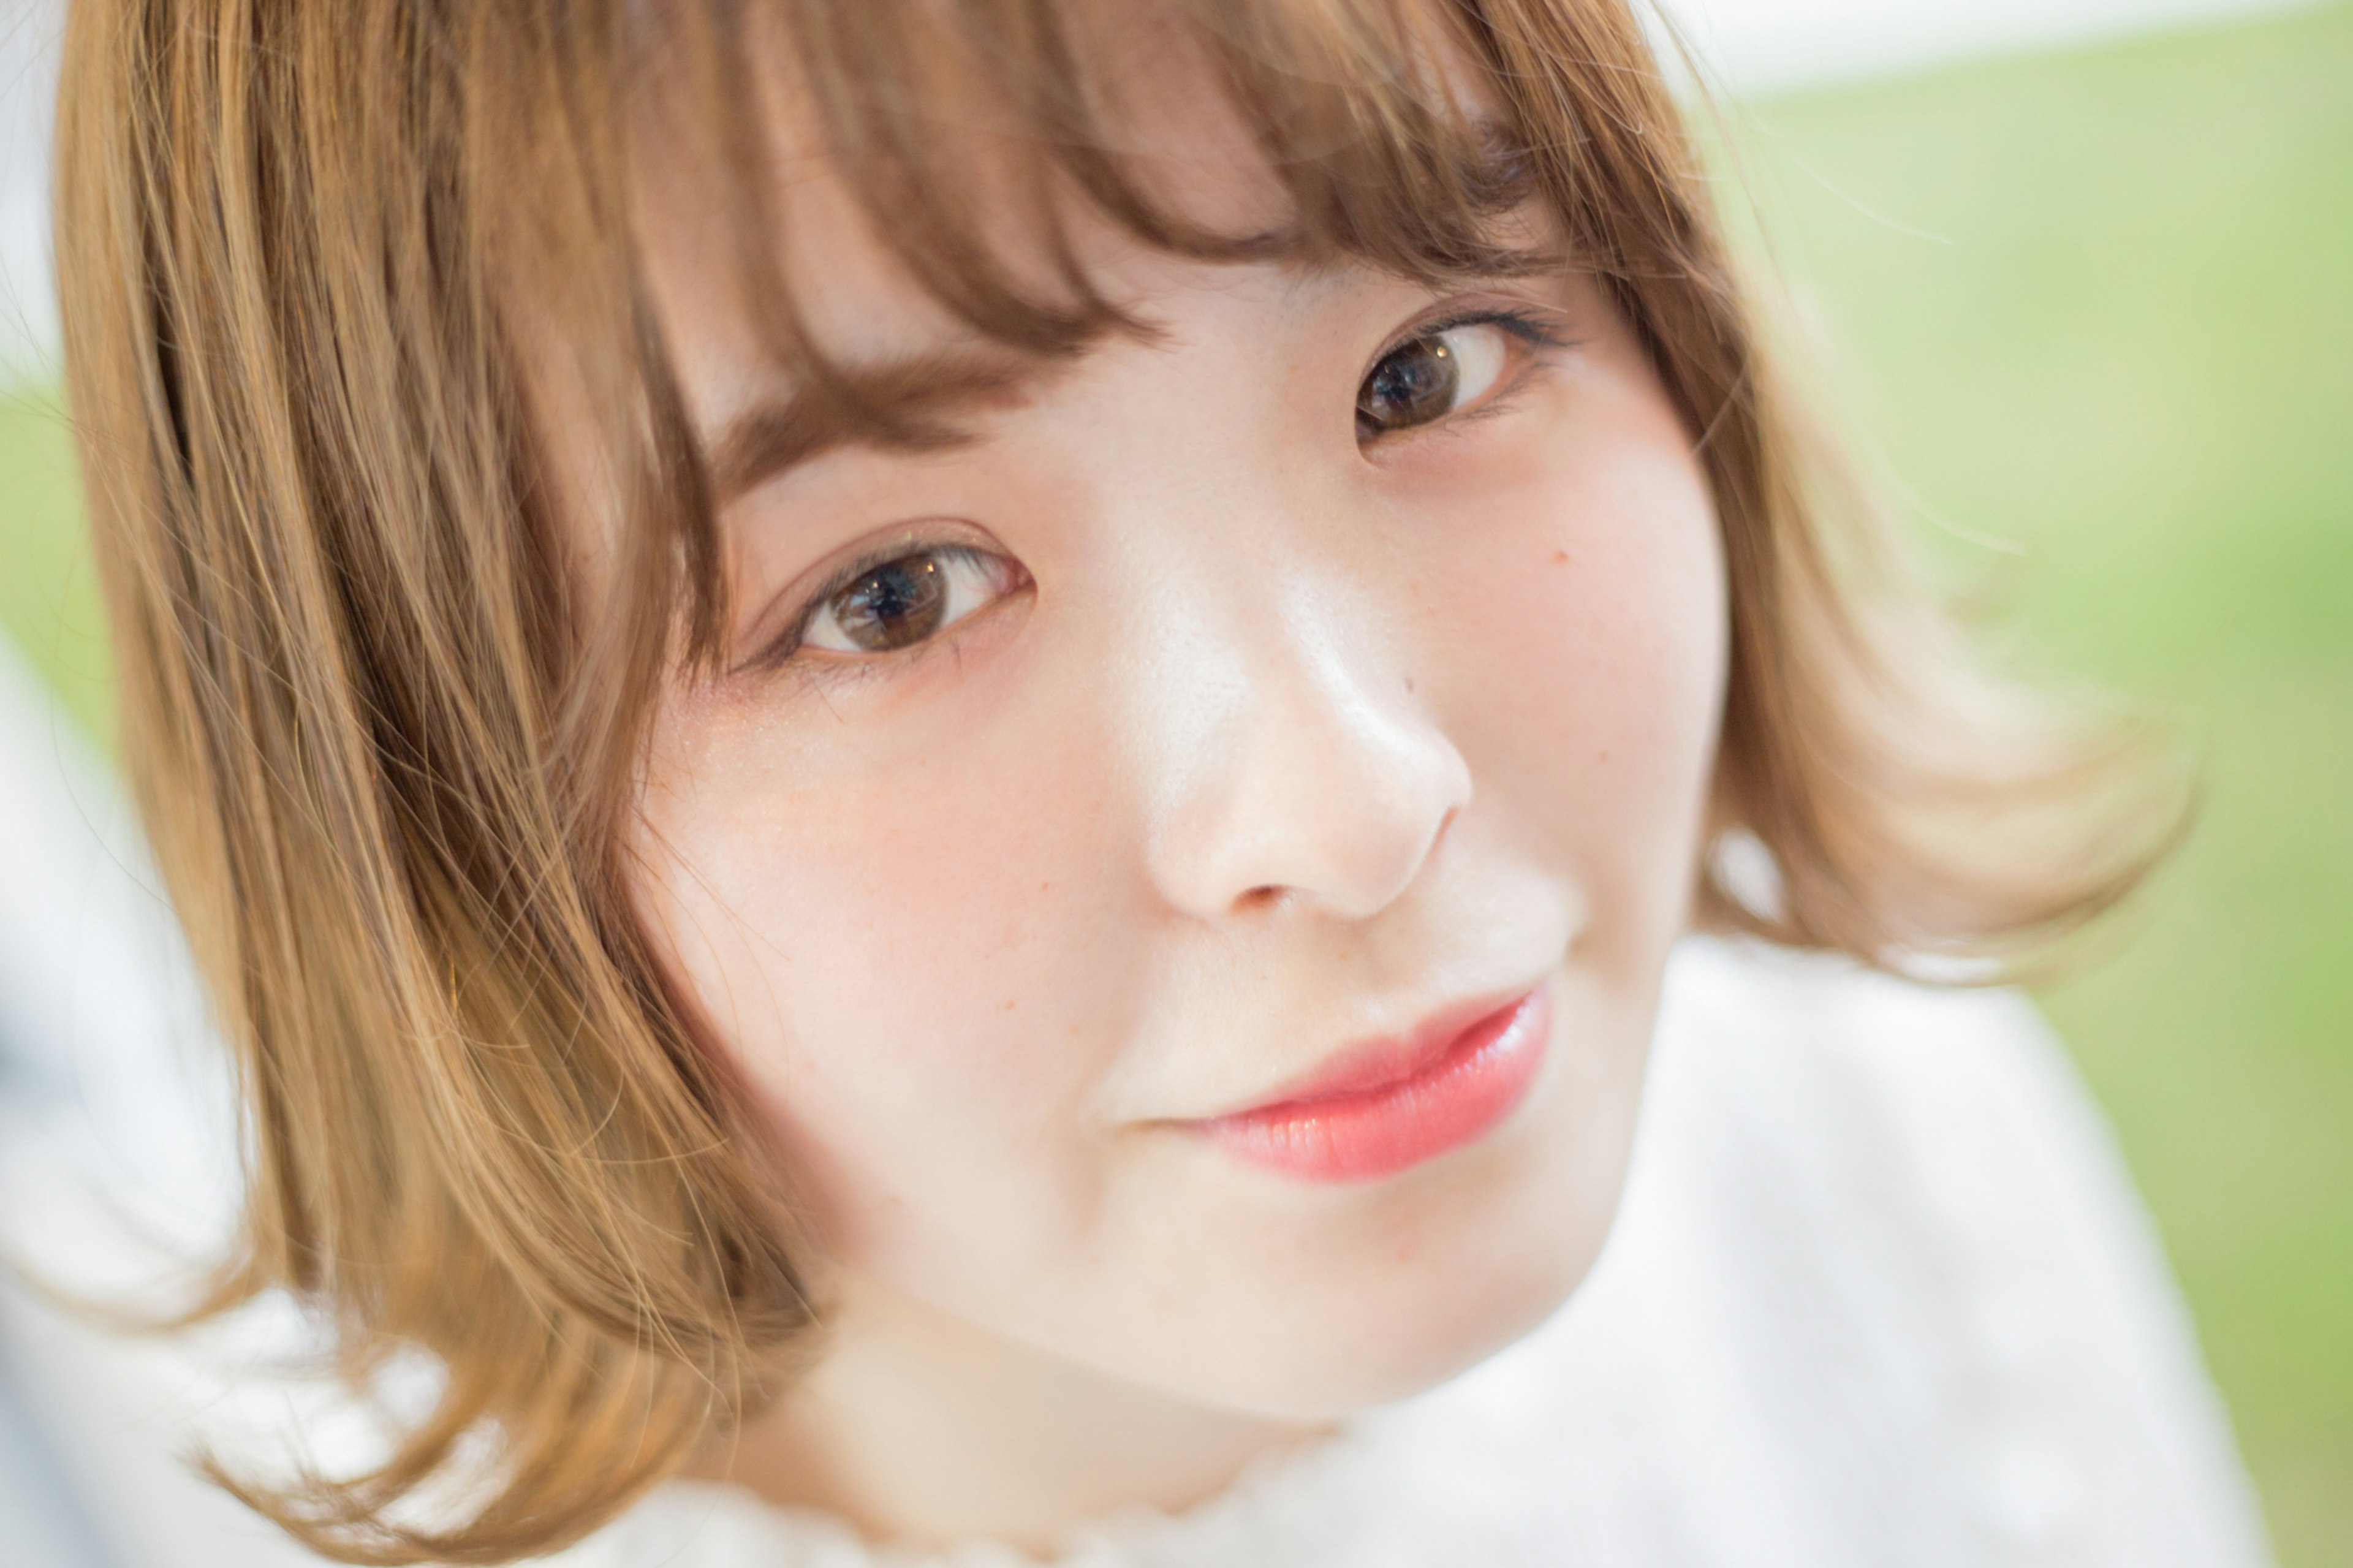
(118, 1156)
(1880, 1294)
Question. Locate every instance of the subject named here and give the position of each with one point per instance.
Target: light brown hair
(316, 261)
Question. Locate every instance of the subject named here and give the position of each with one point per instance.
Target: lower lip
(1377, 1133)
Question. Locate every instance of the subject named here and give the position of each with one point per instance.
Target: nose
(1295, 765)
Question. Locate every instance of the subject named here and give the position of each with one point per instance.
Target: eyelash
(1529, 326)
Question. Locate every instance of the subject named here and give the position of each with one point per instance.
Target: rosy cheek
(888, 952)
(1589, 636)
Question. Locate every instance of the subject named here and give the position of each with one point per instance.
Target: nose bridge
(1283, 752)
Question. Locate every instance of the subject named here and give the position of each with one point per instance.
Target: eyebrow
(909, 405)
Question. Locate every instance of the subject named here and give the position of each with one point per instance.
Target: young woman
(937, 763)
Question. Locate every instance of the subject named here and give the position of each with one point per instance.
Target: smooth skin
(1226, 730)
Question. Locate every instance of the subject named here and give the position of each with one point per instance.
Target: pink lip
(1392, 1104)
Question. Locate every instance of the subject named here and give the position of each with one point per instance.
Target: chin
(1437, 1337)
(1439, 1286)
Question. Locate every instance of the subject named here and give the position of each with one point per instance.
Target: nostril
(1264, 897)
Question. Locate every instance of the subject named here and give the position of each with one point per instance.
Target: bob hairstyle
(328, 269)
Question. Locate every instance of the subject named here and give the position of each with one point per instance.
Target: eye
(907, 599)
(1433, 375)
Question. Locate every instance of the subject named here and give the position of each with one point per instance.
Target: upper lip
(1377, 1062)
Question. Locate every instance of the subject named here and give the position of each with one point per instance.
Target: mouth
(1389, 1105)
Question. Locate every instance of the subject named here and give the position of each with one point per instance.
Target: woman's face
(1188, 863)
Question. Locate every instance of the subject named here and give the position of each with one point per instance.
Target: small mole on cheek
(1009, 1005)
(1408, 685)
(1560, 557)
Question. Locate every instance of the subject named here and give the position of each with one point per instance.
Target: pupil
(896, 604)
(1412, 387)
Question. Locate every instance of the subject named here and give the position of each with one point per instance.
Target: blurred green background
(2096, 306)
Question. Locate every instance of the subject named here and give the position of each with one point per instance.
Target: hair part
(328, 274)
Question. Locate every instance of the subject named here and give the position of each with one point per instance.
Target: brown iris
(1413, 385)
(897, 604)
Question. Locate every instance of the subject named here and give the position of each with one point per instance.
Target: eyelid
(1530, 322)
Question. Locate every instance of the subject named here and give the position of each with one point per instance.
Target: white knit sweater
(1880, 1294)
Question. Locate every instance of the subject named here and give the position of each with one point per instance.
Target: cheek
(887, 951)
(1586, 637)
